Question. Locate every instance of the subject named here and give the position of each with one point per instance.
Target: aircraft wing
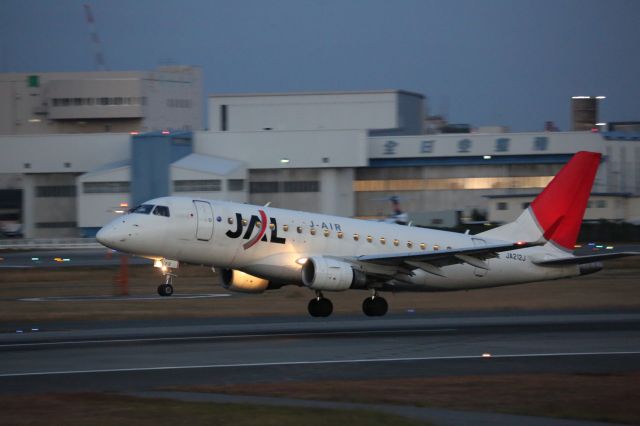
(577, 260)
(434, 260)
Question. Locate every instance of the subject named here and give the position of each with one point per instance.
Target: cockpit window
(161, 211)
(143, 209)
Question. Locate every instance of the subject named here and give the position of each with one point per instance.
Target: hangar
(342, 153)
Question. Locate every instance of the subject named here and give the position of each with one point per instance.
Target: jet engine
(321, 273)
(241, 282)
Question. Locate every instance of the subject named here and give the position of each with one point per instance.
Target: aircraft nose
(109, 236)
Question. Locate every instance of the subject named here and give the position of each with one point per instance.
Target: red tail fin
(560, 206)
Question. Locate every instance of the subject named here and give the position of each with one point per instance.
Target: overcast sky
(484, 62)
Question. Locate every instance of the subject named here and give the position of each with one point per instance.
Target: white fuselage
(235, 236)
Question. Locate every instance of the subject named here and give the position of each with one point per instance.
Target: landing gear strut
(375, 306)
(320, 306)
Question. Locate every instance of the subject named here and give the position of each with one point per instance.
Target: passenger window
(143, 209)
(161, 211)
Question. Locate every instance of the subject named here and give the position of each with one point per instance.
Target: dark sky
(484, 62)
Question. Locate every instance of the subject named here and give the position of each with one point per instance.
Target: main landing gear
(320, 306)
(372, 306)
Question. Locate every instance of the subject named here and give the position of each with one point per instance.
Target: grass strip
(107, 409)
(594, 397)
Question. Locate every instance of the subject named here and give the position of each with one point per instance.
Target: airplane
(259, 248)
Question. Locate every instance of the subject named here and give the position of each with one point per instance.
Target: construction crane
(95, 40)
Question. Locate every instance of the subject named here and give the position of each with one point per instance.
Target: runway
(142, 355)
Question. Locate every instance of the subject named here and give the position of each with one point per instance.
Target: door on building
(204, 231)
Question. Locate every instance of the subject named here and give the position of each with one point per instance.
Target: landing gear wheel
(168, 289)
(165, 289)
(320, 307)
(375, 306)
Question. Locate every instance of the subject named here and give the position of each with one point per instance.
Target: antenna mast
(95, 40)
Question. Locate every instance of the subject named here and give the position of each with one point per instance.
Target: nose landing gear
(166, 265)
(166, 289)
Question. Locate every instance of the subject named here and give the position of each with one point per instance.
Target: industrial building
(343, 153)
(104, 101)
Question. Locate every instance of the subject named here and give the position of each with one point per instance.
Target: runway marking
(230, 336)
(320, 362)
(119, 298)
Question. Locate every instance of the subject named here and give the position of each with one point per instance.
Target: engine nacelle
(241, 282)
(321, 273)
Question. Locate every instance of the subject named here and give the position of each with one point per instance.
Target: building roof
(107, 168)
(357, 92)
(207, 164)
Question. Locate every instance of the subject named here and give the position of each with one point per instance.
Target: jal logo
(259, 222)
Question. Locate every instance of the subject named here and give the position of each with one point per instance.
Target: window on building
(56, 225)
(451, 183)
(525, 205)
(106, 187)
(223, 118)
(56, 191)
(235, 184)
(302, 186)
(502, 206)
(263, 187)
(210, 185)
(601, 204)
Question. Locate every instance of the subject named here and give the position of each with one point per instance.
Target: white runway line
(321, 362)
(120, 298)
(231, 336)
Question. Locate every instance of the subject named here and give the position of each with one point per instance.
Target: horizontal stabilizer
(578, 260)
